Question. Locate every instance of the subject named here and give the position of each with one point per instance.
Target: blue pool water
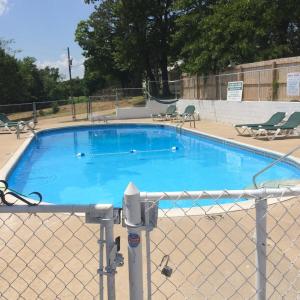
(52, 166)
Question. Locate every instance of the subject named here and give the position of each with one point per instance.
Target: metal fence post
(259, 86)
(101, 246)
(117, 98)
(34, 113)
(109, 243)
(133, 220)
(175, 89)
(261, 244)
(220, 88)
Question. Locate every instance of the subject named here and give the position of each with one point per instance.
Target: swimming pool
(94, 164)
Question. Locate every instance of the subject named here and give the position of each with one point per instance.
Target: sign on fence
(293, 84)
(235, 91)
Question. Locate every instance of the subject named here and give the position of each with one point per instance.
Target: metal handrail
(272, 164)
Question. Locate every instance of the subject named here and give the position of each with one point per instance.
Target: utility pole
(71, 85)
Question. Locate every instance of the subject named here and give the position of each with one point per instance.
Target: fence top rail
(124, 89)
(37, 102)
(230, 73)
(225, 194)
(56, 208)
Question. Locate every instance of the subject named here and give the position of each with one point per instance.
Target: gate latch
(116, 259)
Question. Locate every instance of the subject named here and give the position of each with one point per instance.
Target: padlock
(166, 270)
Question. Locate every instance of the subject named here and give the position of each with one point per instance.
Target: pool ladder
(272, 164)
(182, 121)
(18, 131)
(179, 126)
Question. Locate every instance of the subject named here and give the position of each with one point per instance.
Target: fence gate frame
(104, 215)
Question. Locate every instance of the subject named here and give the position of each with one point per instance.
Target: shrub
(55, 107)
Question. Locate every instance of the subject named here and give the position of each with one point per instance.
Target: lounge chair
(188, 115)
(284, 130)
(4, 119)
(15, 126)
(168, 115)
(245, 129)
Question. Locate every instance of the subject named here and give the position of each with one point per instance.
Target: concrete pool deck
(210, 243)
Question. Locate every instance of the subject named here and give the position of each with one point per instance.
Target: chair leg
(275, 135)
(8, 129)
(241, 130)
(254, 132)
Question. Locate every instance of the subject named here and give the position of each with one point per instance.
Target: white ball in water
(174, 148)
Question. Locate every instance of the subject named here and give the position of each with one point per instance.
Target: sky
(43, 29)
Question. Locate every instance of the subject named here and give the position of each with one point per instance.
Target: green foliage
(10, 79)
(125, 41)
(214, 33)
(41, 113)
(55, 107)
(22, 81)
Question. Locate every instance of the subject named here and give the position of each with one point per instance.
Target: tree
(10, 78)
(237, 31)
(22, 81)
(96, 36)
(33, 86)
(128, 40)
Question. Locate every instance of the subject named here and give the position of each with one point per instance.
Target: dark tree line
(126, 42)
(22, 81)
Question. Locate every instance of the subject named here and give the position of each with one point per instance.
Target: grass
(65, 109)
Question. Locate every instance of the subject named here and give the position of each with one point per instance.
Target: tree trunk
(163, 22)
(153, 91)
(164, 76)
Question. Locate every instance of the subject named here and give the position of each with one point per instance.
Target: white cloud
(62, 65)
(3, 7)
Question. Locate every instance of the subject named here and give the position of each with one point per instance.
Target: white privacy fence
(181, 245)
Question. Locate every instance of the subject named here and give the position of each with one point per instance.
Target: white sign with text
(235, 91)
(293, 84)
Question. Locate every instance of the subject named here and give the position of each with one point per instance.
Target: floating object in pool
(80, 154)
(132, 151)
(174, 148)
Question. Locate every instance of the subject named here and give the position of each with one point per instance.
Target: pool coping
(208, 209)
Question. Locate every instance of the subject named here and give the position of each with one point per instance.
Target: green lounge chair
(188, 114)
(168, 115)
(4, 119)
(245, 129)
(284, 130)
(15, 126)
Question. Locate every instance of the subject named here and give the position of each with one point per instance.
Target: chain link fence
(42, 110)
(259, 84)
(56, 252)
(214, 255)
(198, 245)
(104, 105)
(268, 83)
(219, 245)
